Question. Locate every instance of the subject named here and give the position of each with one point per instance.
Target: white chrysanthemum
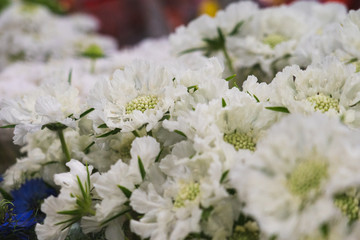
(297, 170)
(54, 102)
(74, 185)
(140, 94)
(330, 87)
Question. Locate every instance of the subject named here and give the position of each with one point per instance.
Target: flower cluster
(173, 147)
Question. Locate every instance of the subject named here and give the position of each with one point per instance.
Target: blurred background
(130, 21)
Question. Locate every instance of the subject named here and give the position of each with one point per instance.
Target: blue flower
(13, 225)
(30, 196)
(19, 216)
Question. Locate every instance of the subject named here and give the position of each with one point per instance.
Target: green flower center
(349, 206)
(323, 103)
(307, 176)
(187, 192)
(142, 103)
(240, 141)
(93, 51)
(274, 39)
(29, 8)
(245, 232)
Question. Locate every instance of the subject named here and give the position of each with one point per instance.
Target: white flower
(349, 34)
(140, 94)
(32, 33)
(115, 186)
(76, 186)
(232, 123)
(173, 206)
(330, 87)
(296, 172)
(54, 103)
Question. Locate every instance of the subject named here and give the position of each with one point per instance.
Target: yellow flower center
(323, 103)
(349, 206)
(187, 192)
(249, 231)
(142, 103)
(240, 141)
(274, 39)
(307, 176)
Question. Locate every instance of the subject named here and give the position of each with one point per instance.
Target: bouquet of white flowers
(173, 148)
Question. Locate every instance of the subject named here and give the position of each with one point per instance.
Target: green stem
(93, 63)
(228, 60)
(63, 145)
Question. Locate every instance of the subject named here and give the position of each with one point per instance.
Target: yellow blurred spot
(209, 7)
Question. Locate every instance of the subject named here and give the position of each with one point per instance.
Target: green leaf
(83, 192)
(256, 98)
(351, 61)
(353, 105)
(190, 50)
(223, 176)
(87, 149)
(231, 191)
(141, 168)
(236, 85)
(9, 126)
(125, 191)
(206, 213)
(88, 179)
(136, 134)
(236, 29)
(223, 102)
(194, 88)
(221, 36)
(278, 109)
(112, 132)
(103, 126)
(116, 216)
(166, 116)
(253, 95)
(70, 76)
(54, 126)
(158, 156)
(6, 195)
(75, 212)
(86, 112)
(72, 220)
(325, 230)
(230, 77)
(180, 133)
